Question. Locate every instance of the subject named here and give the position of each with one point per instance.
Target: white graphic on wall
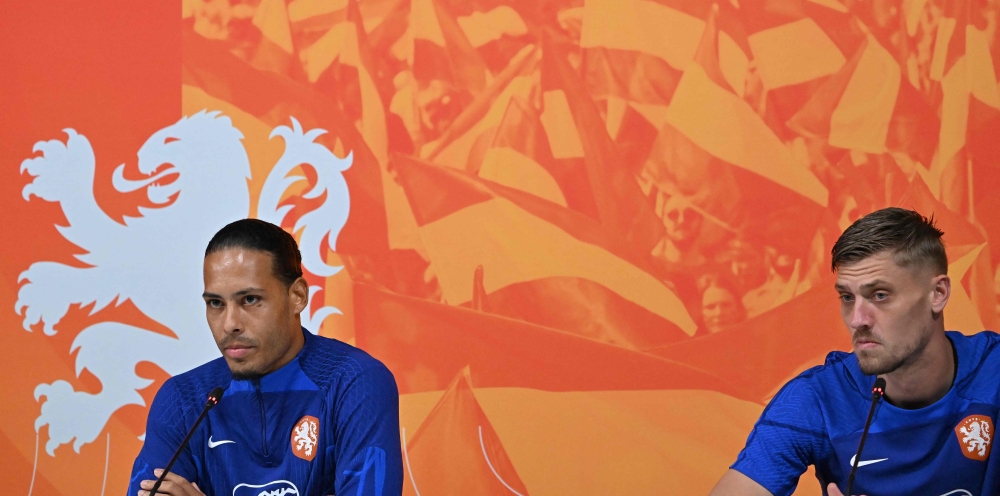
(156, 260)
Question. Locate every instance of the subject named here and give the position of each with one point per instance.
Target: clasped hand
(173, 485)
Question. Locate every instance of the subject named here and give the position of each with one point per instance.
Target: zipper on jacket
(263, 417)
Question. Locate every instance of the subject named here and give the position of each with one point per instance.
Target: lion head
(194, 157)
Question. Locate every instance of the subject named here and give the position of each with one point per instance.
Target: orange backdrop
(589, 237)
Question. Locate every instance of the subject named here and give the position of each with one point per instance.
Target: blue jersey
(944, 448)
(325, 423)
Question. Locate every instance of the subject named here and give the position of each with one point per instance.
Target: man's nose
(231, 322)
(861, 315)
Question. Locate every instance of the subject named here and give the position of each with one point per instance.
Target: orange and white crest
(975, 436)
(305, 437)
(197, 170)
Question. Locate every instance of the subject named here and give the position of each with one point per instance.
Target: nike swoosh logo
(862, 463)
(212, 444)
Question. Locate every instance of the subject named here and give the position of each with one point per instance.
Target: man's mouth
(237, 351)
(866, 344)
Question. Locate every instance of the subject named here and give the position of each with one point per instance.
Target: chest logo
(975, 436)
(275, 488)
(305, 437)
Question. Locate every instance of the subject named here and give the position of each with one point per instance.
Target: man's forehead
(239, 263)
(238, 257)
(881, 267)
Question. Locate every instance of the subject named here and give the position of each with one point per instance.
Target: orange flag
(637, 50)
(578, 136)
(796, 46)
(425, 344)
(543, 263)
(464, 141)
(868, 106)
(442, 51)
(520, 157)
(456, 450)
(275, 49)
(708, 109)
(496, 31)
(775, 345)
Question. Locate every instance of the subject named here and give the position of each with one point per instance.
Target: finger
(178, 485)
(146, 486)
(171, 476)
(833, 490)
(169, 488)
(195, 484)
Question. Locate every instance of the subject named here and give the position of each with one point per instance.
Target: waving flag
(794, 341)
(707, 110)
(635, 53)
(638, 49)
(425, 344)
(520, 157)
(497, 33)
(456, 450)
(275, 52)
(966, 73)
(796, 45)
(441, 49)
(462, 145)
(578, 137)
(543, 263)
(867, 106)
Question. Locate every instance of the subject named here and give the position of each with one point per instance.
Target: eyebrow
(865, 286)
(242, 292)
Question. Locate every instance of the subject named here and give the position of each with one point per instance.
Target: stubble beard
(246, 375)
(878, 363)
(882, 360)
(243, 370)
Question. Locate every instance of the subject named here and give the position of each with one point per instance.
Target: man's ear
(941, 292)
(298, 292)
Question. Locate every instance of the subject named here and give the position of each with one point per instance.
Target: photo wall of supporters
(590, 238)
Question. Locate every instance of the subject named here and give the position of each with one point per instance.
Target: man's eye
(214, 303)
(880, 296)
(846, 298)
(251, 299)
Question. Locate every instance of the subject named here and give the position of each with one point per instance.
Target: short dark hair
(909, 236)
(256, 234)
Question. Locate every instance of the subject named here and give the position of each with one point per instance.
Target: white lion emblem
(155, 260)
(305, 436)
(977, 437)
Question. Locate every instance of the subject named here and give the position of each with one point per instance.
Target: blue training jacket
(325, 423)
(941, 449)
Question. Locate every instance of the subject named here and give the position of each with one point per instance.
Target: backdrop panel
(590, 238)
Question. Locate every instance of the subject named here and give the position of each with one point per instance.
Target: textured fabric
(259, 439)
(818, 417)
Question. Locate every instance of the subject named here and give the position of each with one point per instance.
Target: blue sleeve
(368, 458)
(789, 436)
(166, 427)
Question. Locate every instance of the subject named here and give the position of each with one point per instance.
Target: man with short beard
(301, 415)
(933, 433)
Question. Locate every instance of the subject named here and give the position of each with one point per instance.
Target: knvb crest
(197, 169)
(305, 438)
(975, 436)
